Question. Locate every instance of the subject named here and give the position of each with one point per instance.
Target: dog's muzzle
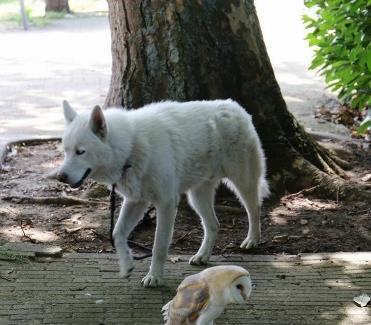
(86, 174)
(63, 177)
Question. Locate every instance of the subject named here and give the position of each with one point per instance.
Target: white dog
(171, 148)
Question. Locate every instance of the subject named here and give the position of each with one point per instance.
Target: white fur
(172, 148)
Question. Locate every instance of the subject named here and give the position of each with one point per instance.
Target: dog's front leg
(164, 230)
(131, 212)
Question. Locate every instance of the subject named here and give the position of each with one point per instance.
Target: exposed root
(346, 191)
(303, 191)
(55, 200)
(341, 163)
(330, 163)
(335, 187)
(229, 209)
(33, 142)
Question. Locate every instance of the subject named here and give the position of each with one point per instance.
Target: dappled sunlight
(349, 262)
(75, 65)
(278, 220)
(293, 79)
(51, 164)
(293, 99)
(343, 258)
(314, 205)
(15, 233)
(40, 120)
(340, 283)
(355, 315)
(273, 16)
(12, 231)
(318, 288)
(78, 221)
(294, 208)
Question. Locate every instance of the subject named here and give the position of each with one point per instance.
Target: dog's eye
(80, 152)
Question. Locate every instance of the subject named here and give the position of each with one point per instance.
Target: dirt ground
(34, 208)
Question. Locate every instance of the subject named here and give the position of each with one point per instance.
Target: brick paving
(85, 289)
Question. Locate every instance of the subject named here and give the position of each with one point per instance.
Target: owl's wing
(166, 312)
(192, 297)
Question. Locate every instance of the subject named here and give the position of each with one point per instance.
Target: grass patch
(11, 257)
(88, 6)
(10, 15)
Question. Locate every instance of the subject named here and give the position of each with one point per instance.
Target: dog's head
(85, 145)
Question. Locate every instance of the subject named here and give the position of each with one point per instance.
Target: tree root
(229, 209)
(303, 191)
(55, 200)
(33, 142)
(331, 165)
(334, 187)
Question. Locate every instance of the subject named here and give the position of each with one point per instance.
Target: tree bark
(57, 5)
(212, 49)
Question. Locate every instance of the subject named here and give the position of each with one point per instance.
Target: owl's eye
(80, 152)
(239, 286)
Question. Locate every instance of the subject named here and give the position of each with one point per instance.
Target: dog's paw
(199, 259)
(151, 281)
(250, 242)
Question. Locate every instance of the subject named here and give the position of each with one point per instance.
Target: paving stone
(38, 250)
(86, 289)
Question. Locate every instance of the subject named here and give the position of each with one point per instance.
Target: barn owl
(202, 297)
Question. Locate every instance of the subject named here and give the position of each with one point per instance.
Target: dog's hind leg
(166, 212)
(247, 190)
(130, 214)
(202, 201)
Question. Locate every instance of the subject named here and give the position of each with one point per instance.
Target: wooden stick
(33, 241)
(305, 190)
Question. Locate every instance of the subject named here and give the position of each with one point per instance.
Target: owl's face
(240, 289)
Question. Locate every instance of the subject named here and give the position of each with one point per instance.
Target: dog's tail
(263, 189)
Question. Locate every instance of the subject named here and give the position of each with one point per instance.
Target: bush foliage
(340, 31)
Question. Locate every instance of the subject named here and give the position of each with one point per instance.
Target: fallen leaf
(72, 230)
(175, 259)
(362, 300)
(280, 239)
(230, 245)
(366, 178)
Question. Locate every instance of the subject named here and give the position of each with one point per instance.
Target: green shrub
(340, 32)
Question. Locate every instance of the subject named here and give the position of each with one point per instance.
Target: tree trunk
(211, 49)
(57, 5)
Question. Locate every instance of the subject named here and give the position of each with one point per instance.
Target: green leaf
(363, 128)
(309, 3)
(316, 62)
(368, 59)
(340, 32)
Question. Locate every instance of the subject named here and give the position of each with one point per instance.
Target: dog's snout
(62, 177)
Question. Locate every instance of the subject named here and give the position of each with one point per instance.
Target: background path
(71, 60)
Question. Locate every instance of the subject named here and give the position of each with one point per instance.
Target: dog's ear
(97, 122)
(69, 112)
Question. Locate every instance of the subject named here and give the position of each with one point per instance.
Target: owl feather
(191, 299)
